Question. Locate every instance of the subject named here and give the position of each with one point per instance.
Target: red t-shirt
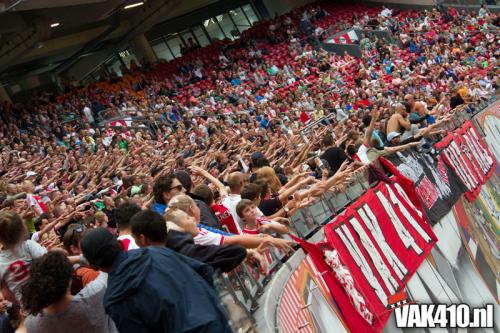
(225, 218)
(304, 117)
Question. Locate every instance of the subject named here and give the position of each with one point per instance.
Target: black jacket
(207, 217)
(226, 258)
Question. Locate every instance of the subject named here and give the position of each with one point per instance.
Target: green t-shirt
(123, 145)
(135, 189)
(30, 224)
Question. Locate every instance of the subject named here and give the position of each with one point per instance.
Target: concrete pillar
(4, 96)
(141, 49)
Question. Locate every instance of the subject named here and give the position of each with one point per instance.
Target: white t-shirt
(197, 72)
(206, 237)
(230, 203)
(386, 12)
(362, 154)
(14, 264)
(88, 114)
(128, 242)
(36, 237)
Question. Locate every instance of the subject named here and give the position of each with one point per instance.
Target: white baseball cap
(392, 135)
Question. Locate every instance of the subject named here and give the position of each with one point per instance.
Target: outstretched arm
(204, 173)
(393, 150)
(368, 136)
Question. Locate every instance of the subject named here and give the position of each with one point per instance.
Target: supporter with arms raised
(235, 182)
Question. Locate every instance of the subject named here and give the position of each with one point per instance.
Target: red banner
(372, 251)
(465, 152)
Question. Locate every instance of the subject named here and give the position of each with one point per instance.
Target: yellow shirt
(464, 92)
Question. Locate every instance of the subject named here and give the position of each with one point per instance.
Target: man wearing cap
(153, 289)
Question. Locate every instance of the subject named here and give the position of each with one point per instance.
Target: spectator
(147, 288)
(149, 228)
(47, 298)
(123, 214)
(165, 188)
(333, 155)
(17, 252)
(255, 225)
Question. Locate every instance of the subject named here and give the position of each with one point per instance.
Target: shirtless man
(399, 127)
(416, 107)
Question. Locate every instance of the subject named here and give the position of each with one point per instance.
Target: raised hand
(196, 170)
(256, 254)
(282, 244)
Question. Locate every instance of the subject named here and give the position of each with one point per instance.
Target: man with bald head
(235, 181)
(418, 110)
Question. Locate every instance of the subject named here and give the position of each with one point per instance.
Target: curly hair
(50, 276)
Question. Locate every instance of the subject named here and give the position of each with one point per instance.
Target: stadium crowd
(106, 229)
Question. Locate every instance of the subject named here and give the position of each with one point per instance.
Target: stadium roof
(42, 35)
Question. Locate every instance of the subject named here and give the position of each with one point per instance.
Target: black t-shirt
(111, 217)
(335, 157)
(270, 206)
(456, 101)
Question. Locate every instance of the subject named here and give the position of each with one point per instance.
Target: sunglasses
(178, 188)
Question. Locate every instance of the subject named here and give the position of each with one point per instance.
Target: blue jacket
(154, 289)
(159, 208)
